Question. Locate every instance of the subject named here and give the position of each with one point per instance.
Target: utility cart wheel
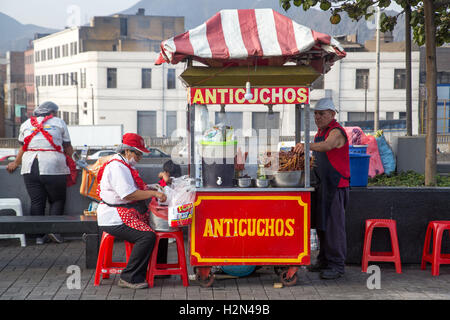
(204, 276)
(288, 282)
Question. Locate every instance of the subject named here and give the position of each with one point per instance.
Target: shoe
(317, 267)
(55, 237)
(330, 274)
(125, 284)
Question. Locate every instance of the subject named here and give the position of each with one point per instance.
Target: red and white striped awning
(259, 36)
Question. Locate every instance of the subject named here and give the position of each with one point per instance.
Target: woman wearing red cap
(123, 212)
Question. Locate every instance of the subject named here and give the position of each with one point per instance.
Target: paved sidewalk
(40, 273)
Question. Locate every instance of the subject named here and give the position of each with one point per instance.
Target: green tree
(430, 22)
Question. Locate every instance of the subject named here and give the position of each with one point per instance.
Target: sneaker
(125, 284)
(330, 274)
(55, 237)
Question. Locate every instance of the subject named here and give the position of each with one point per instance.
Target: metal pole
(307, 126)
(298, 124)
(78, 106)
(13, 113)
(365, 98)
(377, 88)
(191, 141)
(93, 121)
(408, 70)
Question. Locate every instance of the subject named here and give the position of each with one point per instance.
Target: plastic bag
(386, 154)
(356, 136)
(180, 199)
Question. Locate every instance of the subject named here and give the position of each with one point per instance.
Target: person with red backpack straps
(43, 157)
(332, 178)
(123, 211)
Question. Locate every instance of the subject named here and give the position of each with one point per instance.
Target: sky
(58, 14)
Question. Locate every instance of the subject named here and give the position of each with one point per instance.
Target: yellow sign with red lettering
(270, 95)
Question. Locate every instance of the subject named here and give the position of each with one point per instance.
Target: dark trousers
(144, 241)
(333, 240)
(41, 188)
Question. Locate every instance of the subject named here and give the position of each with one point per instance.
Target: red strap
(134, 173)
(40, 128)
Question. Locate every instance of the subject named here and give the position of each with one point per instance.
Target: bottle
(261, 175)
(84, 152)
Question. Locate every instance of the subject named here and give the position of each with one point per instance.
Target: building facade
(15, 93)
(105, 74)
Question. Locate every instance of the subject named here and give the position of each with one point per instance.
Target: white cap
(325, 104)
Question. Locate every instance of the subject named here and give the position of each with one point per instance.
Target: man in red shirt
(332, 175)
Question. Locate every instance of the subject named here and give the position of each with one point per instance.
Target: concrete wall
(13, 187)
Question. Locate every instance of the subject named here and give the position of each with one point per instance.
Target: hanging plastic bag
(386, 154)
(180, 198)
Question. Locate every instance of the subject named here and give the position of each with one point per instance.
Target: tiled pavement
(40, 273)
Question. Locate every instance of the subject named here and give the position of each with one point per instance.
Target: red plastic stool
(393, 256)
(179, 268)
(435, 257)
(105, 265)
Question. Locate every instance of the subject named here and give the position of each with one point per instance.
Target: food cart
(241, 58)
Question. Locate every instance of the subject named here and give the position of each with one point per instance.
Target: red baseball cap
(135, 141)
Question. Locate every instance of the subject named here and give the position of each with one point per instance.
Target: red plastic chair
(368, 255)
(435, 257)
(179, 268)
(105, 265)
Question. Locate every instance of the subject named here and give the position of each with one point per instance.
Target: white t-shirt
(117, 183)
(50, 162)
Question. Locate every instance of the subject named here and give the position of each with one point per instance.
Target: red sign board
(251, 228)
(269, 95)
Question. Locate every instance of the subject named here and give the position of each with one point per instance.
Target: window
(50, 79)
(362, 79)
(57, 52)
(389, 116)
(49, 53)
(44, 80)
(111, 78)
(57, 80)
(171, 122)
(65, 79)
(146, 123)
(123, 27)
(171, 79)
(443, 77)
(38, 81)
(74, 78)
(37, 56)
(146, 78)
(65, 50)
(360, 116)
(65, 117)
(402, 115)
(232, 118)
(400, 79)
(262, 120)
(43, 55)
(83, 78)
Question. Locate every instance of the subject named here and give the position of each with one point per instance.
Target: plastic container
(359, 169)
(358, 149)
(158, 217)
(238, 271)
